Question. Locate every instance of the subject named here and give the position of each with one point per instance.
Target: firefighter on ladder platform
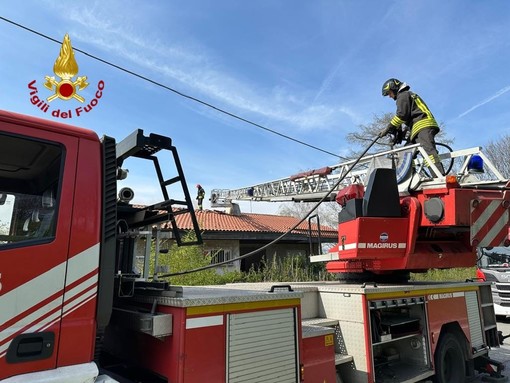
(200, 196)
(413, 112)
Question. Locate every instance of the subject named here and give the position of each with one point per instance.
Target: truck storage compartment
(400, 348)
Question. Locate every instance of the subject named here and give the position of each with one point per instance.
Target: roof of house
(212, 220)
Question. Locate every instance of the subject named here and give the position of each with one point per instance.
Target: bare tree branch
(366, 134)
(498, 152)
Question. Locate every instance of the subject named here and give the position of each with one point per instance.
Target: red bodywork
(193, 355)
(319, 359)
(53, 286)
(417, 241)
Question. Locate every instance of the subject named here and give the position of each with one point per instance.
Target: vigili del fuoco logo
(65, 86)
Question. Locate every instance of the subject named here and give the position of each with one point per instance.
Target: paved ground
(501, 354)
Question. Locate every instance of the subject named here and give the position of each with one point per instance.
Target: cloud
(199, 72)
(363, 39)
(486, 101)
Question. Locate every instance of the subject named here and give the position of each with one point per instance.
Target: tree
(366, 133)
(327, 211)
(498, 152)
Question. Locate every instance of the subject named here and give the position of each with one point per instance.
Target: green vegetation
(458, 274)
(185, 258)
(287, 269)
(294, 268)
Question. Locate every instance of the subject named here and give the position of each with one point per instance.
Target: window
(6, 207)
(220, 255)
(30, 172)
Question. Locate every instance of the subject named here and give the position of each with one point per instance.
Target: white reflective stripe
(71, 306)
(43, 324)
(487, 213)
(51, 319)
(333, 256)
(215, 320)
(81, 287)
(86, 298)
(325, 257)
(495, 230)
(55, 317)
(47, 284)
(32, 317)
(482, 222)
(44, 286)
(82, 264)
(363, 245)
(31, 293)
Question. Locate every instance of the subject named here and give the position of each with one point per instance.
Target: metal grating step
(325, 322)
(341, 359)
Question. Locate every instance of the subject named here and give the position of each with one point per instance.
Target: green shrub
(287, 269)
(295, 268)
(184, 258)
(444, 275)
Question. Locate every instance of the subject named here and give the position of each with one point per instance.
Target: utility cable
(282, 235)
(197, 100)
(204, 103)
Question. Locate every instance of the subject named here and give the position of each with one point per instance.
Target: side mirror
(3, 197)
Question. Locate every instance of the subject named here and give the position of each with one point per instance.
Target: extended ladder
(413, 173)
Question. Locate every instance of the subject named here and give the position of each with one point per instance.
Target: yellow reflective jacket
(412, 111)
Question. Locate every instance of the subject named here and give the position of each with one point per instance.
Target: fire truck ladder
(145, 147)
(471, 166)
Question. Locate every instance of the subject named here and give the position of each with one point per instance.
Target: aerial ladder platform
(411, 170)
(396, 216)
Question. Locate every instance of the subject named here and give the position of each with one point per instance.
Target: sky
(310, 70)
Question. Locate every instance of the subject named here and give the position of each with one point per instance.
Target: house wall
(232, 246)
(242, 243)
(237, 248)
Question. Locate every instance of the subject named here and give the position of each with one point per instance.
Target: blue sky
(312, 70)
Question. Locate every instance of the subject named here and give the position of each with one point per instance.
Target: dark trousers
(425, 138)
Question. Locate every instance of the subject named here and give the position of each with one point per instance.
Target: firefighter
(413, 112)
(200, 196)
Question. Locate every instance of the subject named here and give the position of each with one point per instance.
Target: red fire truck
(77, 304)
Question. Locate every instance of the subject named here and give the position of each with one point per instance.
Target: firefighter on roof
(413, 112)
(200, 196)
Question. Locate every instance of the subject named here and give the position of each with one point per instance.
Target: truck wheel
(449, 360)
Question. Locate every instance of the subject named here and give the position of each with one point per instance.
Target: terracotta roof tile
(212, 220)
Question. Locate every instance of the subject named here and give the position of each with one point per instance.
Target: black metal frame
(145, 147)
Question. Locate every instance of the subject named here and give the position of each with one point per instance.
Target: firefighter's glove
(388, 130)
(398, 136)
